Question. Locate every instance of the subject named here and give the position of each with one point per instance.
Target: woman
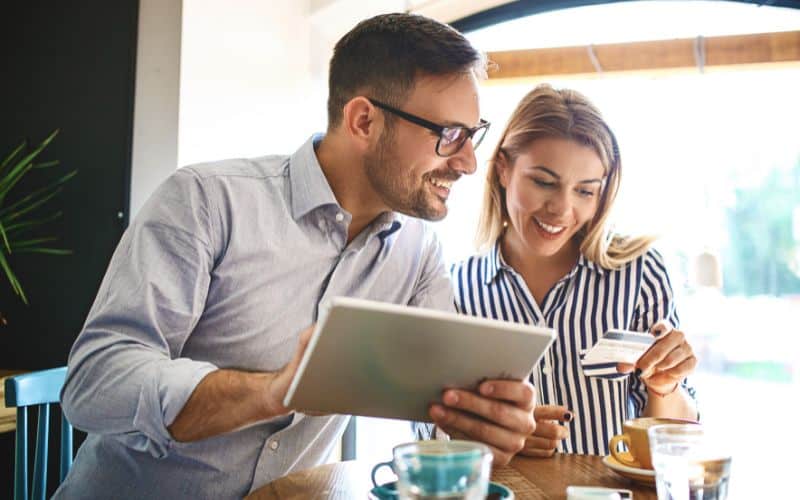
(551, 261)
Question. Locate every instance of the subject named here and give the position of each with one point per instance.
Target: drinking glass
(689, 464)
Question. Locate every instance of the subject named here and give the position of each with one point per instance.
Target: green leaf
(49, 251)
(18, 227)
(14, 153)
(8, 181)
(31, 243)
(38, 192)
(47, 164)
(31, 206)
(12, 221)
(5, 237)
(17, 172)
(12, 279)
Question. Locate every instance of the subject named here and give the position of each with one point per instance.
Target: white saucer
(644, 476)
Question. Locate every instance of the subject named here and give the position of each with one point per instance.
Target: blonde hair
(567, 114)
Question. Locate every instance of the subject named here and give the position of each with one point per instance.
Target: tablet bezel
(347, 381)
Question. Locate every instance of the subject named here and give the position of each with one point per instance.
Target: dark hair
(382, 56)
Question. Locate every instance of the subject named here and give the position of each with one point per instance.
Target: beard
(396, 185)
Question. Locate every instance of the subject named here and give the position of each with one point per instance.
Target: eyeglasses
(451, 139)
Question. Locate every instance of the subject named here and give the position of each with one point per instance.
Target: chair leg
(40, 461)
(21, 459)
(66, 448)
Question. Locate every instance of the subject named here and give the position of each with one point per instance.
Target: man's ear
(502, 169)
(361, 122)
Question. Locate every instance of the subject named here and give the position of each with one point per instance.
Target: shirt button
(273, 445)
(546, 370)
(339, 217)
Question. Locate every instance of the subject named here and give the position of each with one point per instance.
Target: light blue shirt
(224, 266)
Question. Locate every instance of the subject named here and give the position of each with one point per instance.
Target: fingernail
(638, 372)
(437, 412)
(487, 389)
(567, 417)
(451, 398)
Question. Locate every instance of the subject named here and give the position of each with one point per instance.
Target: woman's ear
(502, 168)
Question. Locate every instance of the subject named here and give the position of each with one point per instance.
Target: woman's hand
(666, 363)
(549, 431)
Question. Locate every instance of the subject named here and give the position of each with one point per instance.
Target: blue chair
(40, 389)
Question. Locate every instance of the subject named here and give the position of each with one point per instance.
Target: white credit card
(619, 346)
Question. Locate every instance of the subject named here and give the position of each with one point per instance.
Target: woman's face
(552, 190)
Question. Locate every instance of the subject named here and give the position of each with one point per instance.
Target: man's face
(403, 167)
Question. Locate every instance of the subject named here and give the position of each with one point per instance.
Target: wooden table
(529, 478)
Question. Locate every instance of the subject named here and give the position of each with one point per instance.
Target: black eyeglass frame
(434, 127)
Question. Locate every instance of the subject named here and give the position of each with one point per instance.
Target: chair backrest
(40, 389)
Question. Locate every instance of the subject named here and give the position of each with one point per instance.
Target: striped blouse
(582, 306)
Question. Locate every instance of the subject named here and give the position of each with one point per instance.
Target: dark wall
(68, 65)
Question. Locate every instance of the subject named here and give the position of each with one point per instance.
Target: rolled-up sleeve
(126, 376)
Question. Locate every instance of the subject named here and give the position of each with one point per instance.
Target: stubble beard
(394, 184)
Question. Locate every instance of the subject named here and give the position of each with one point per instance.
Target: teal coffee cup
(438, 469)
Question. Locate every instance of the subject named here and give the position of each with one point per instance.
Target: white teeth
(441, 183)
(547, 227)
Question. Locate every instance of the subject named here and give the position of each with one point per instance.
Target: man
(180, 371)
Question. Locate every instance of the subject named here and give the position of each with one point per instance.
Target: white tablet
(384, 360)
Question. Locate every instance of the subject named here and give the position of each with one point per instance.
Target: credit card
(619, 346)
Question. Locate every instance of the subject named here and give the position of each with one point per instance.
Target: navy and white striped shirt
(581, 307)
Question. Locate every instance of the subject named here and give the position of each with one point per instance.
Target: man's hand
(500, 415)
(549, 431)
(278, 384)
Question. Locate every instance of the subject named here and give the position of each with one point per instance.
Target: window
(711, 162)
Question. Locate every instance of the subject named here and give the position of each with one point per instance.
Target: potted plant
(20, 216)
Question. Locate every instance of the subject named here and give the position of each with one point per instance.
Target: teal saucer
(388, 491)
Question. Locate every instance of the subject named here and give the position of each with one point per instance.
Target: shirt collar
(493, 262)
(310, 188)
(588, 264)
